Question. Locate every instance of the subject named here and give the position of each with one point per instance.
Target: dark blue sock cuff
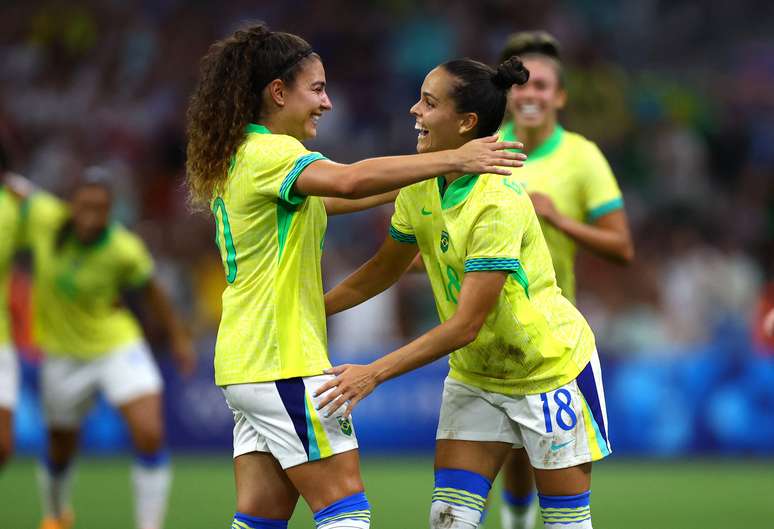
(254, 522)
(350, 504)
(154, 460)
(565, 502)
(462, 479)
(55, 469)
(518, 501)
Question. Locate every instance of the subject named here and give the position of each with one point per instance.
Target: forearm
(380, 175)
(339, 206)
(607, 243)
(440, 341)
(161, 308)
(366, 282)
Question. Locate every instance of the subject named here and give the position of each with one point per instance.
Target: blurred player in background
(260, 94)
(84, 268)
(523, 369)
(9, 370)
(576, 197)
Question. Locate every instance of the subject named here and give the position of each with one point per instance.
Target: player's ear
(276, 91)
(467, 123)
(561, 98)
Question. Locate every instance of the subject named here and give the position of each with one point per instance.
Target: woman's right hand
(488, 155)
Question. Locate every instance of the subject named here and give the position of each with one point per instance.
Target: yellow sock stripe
(580, 513)
(239, 525)
(566, 518)
(455, 494)
(319, 431)
(470, 495)
(458, 501)
(364, 515)
(566, 509)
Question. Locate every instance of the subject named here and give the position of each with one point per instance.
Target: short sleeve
(401, 228)
(600, 189)
(275, 165)
(495, 237)
(138, 263)
(40, 212)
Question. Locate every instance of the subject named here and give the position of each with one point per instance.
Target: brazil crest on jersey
(574, 173)
(77, 287)
(270, 240)
(534, 340)
(9, 227)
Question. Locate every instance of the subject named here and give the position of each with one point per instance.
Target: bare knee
(62, 445)
(148, 440)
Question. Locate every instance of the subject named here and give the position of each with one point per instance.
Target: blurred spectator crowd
(679, 96)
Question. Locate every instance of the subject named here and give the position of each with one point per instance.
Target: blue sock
(566, 512)
(55, 469)
(459, 494)
(243, 521)
(518, 501)
(353, 508)
(154, 460)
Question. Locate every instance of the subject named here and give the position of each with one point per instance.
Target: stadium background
(680, 97)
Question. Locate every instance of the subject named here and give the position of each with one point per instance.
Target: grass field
(722, 494)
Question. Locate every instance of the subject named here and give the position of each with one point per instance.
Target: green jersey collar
(544, 149)
(456, 192)
(257, 129)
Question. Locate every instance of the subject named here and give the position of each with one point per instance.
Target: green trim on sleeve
(604, 209)
(485, 264)
(402, 237)
(286, 189)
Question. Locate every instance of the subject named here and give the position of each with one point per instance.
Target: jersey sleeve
(495, 237)
(600, 189)
(275, 167)
(138, 263)
(401, 228)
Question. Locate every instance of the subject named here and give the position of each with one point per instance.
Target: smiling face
(305, 100)
(438, 123)
(536, 103)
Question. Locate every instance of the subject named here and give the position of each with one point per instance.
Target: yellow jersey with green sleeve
(574, 173)
(270, 239)
(77, 310)
(534, 340)
(9, 226)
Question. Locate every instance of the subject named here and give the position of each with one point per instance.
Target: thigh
(482, 457)
(144, 419)
(325, 481)
(518, 477)
(67, 387)
(129, 373)
(564, 481)
(263, 489)
(471, 414)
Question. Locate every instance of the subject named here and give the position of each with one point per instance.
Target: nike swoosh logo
(555, 447)
(426, 212)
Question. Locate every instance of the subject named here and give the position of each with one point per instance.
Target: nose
(414, 110)
(326, 103)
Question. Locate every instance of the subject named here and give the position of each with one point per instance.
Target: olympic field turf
(705, 494)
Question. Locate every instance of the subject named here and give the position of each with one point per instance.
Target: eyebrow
(318, 83)
(429, 95)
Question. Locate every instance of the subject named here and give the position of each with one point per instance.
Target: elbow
(626, 255)
(468, 332)
(350, 185)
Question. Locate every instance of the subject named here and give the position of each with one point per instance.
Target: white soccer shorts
(559, 429)
(9, 378)
(279, 417)
(68, 385)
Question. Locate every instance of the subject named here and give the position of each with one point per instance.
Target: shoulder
(126, 241)
(580, 146)
(44, 207)
(501, 191)
(271, 148)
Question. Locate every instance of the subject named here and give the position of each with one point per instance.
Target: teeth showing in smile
(422, 131)
(529, 109)
(315, 119)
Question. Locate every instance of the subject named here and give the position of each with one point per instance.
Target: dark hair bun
(509, 73)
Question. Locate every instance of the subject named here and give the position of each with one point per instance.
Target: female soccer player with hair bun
(575, 195)
(523, 365)
(260, 94)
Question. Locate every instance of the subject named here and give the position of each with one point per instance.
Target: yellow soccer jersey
(270, 240)
(9, 227)
(574, 173)
(534, 340)
(76, 287)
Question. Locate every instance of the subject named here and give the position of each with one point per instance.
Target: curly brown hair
(229, 95)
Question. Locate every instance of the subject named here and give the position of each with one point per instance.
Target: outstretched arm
(374, 176)
(377, 275)
(339, 206)
(478, 296)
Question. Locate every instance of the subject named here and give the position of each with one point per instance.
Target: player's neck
(534, 137)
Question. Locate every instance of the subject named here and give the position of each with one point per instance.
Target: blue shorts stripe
(588, 388)
(293, 394)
